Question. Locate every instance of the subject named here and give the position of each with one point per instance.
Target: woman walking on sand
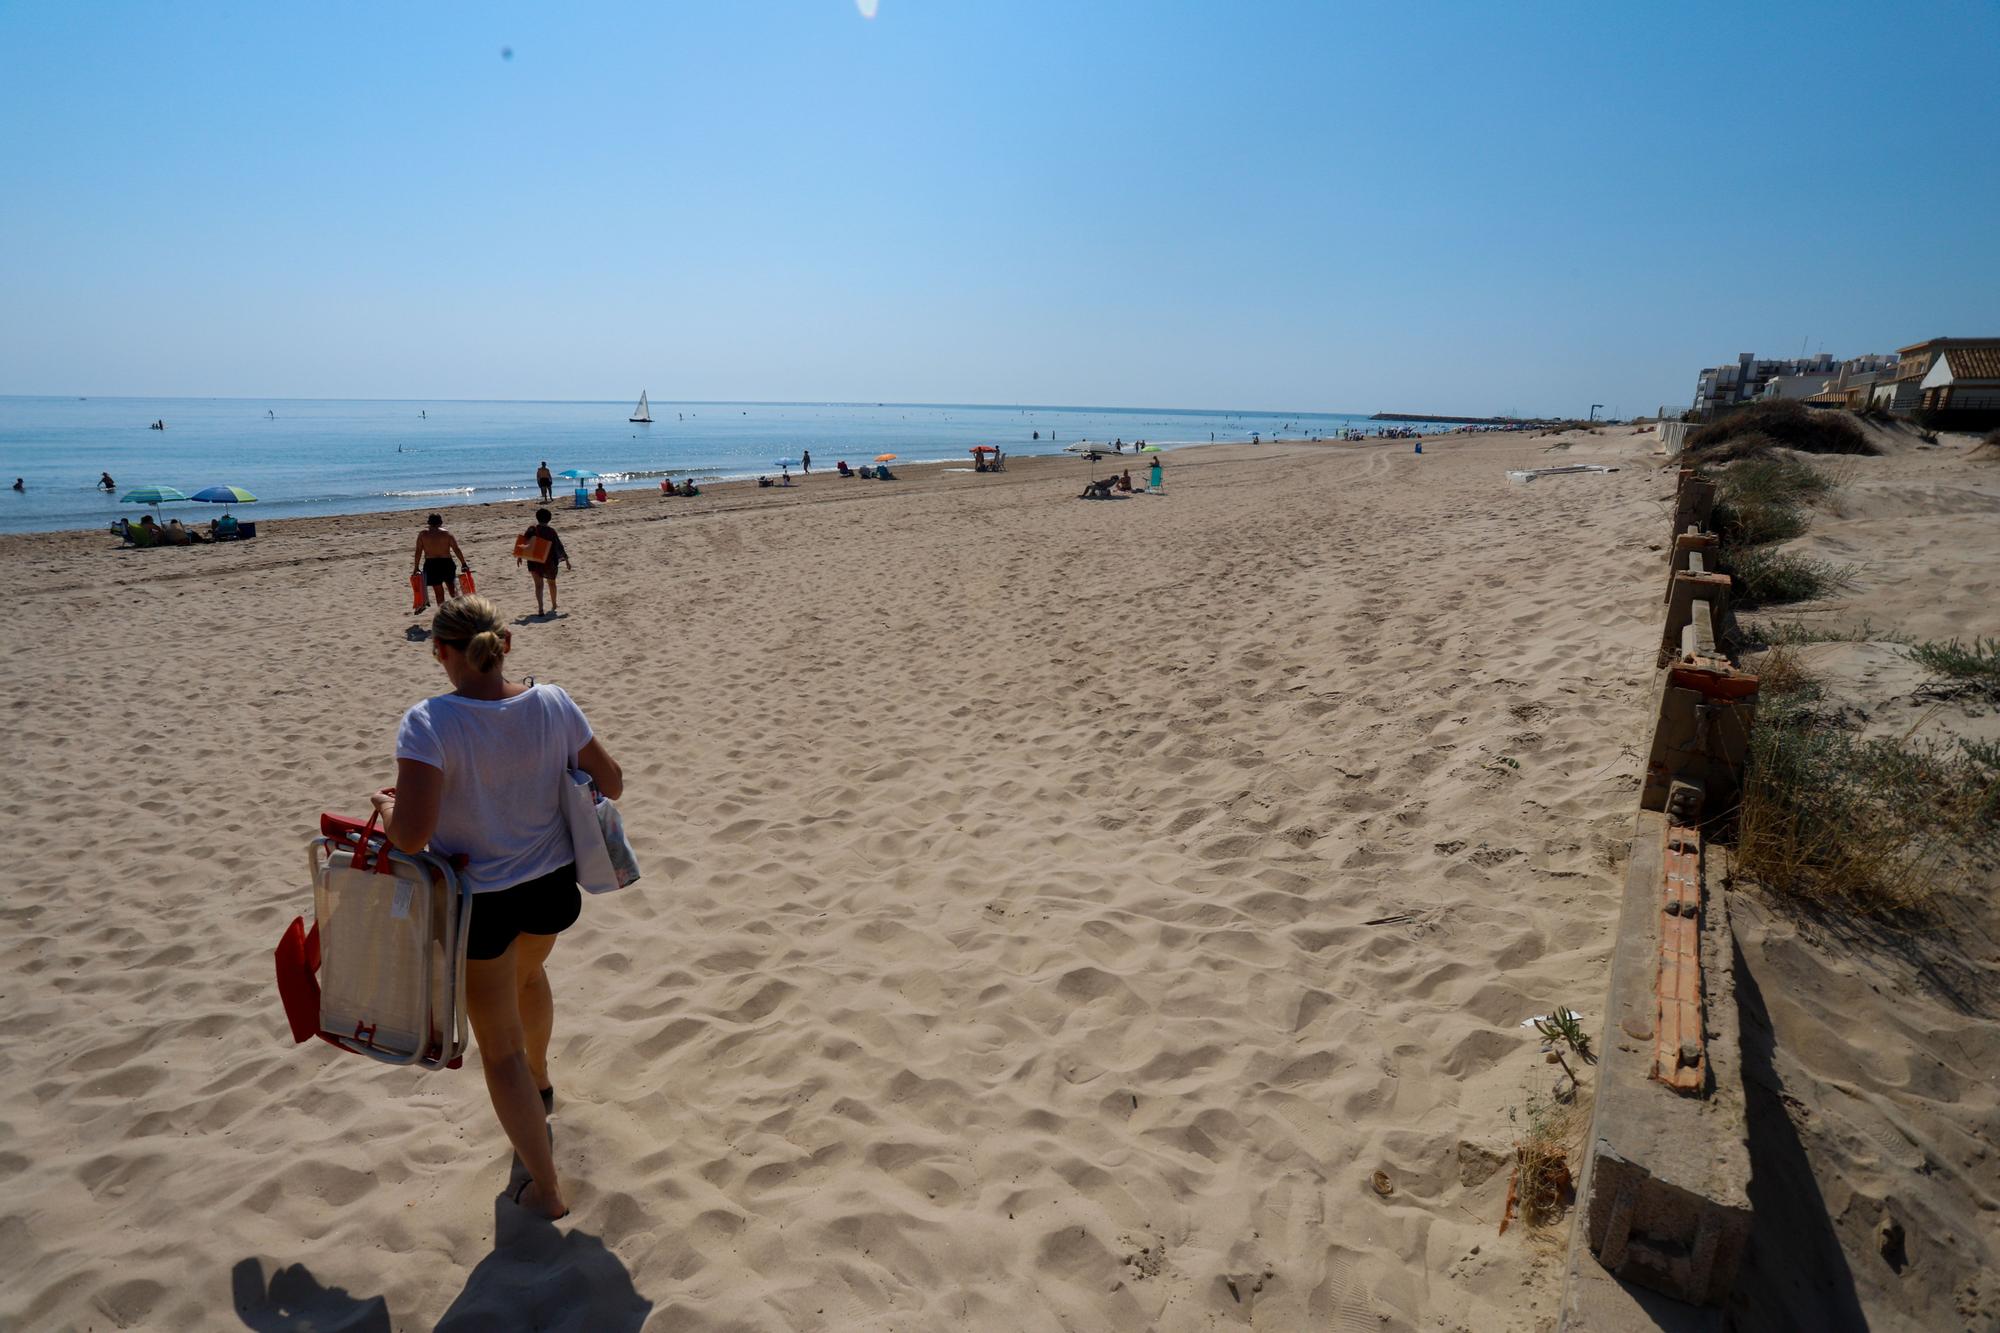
(479, 774)
(544, 570)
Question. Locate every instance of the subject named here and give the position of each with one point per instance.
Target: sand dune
(1054, 913)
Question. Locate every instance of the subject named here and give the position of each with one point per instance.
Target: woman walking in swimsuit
(544, 571)
(479, 773)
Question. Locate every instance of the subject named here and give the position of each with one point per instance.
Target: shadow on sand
(538, 1276)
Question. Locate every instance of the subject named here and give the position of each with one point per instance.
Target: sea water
(306, 457)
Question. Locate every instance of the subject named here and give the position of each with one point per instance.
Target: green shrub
(1975, 665)
(1763, 576)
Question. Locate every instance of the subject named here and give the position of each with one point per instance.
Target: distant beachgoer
(690, 490)
(479, 772)
(544, 571)
(1035, 435)
(806, 462)
(1125, 480)
(600, 496)
(433, 558)
(546, 480)
(786, 479)
(20, 485)
(104, 483)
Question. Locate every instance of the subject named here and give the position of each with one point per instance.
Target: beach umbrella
(224, 495)
(1088, 450)
(151, 495)
(985, 449)
(1149, 448)
(786, 462)
(579, 474)
(885, 458)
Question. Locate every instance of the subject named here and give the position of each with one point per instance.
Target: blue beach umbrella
(151, 495)
(579, 474)
(224, 495)
(786, 462)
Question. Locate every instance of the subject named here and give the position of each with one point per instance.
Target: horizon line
(701, 402)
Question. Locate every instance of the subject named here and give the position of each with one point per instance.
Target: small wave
(442, 490)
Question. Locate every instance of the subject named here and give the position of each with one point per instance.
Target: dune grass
(1866, 826)
(1762, 427)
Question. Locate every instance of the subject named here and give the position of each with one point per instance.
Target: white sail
(642, 412)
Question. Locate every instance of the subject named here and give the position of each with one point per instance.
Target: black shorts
(440, 569)
(546, 905)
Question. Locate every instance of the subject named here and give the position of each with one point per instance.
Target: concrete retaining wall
(1663, 1197)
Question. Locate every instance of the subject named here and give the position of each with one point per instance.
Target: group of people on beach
(439, 560)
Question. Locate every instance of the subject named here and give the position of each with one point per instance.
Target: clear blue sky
(1473, 208)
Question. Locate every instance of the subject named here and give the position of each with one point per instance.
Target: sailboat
(642, 413)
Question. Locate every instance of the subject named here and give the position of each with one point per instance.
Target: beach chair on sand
(381, 972)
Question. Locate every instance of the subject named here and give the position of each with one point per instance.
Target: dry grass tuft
(1543, 1187)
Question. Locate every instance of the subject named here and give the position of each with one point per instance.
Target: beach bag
(528, 546)
(418, 595)
(381, 971)
(604, 859)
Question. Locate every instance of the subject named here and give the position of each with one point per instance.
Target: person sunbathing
(1125, 480)
(842, 468)
(690, 490)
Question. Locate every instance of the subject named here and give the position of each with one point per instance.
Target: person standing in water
(544, 571)
(480, 774)
(433, 559)
(806, 462)
(546, 480)
(104, 482)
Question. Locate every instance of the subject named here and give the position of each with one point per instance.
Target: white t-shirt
(503, 762)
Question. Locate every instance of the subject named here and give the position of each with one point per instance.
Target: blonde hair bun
(475, 623)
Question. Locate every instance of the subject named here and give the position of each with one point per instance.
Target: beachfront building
(1720, 388)
(1955, 379)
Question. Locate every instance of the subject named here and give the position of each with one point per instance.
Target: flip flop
(548, 1101)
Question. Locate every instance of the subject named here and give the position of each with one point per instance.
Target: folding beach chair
(382, 971)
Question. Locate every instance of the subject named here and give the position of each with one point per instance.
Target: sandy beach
(1055, 913)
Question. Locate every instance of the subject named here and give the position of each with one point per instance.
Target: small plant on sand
(1541, 1186)
(1564, 1028)
(1971, 666)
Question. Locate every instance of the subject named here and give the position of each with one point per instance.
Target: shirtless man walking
(435, 549)
(546, 480)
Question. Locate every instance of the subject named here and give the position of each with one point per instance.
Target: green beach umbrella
(151, 495)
